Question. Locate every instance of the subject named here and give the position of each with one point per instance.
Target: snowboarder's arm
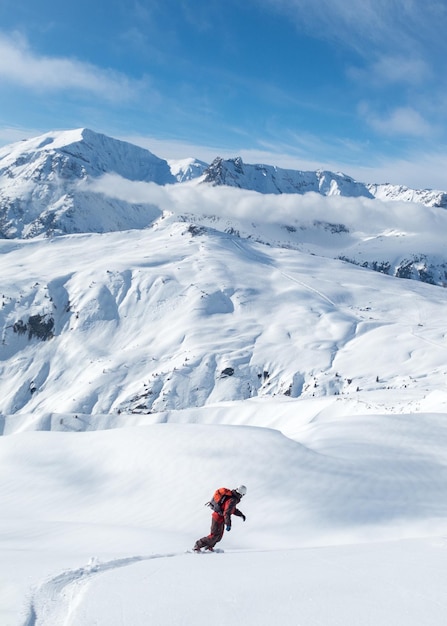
(230, 510)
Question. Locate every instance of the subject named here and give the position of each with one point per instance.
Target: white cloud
(22, 66)
(401, 121)
(400, 69)
(225, 202)
(393, 69)
(248, 207)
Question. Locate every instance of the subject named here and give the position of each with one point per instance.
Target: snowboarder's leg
(216, 534)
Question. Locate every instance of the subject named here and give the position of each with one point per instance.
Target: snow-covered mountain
(41, 190)
(80, 181)
(429, 197)
(270, 179)
(79, 153)
(187, 169)
(43, 183)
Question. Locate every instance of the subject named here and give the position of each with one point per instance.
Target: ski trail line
(306, 286)
(54, 600)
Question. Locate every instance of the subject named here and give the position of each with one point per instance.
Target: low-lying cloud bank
(361, 215)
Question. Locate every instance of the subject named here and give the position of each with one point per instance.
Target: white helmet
(241, 490)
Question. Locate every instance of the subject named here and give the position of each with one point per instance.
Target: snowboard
(203, 551)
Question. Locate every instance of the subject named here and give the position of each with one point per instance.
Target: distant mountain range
(125, 290)
(40, 194)
(271, 179)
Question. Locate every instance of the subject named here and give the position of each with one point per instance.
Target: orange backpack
(218, 499)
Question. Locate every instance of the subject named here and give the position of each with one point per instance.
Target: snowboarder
(224, 505)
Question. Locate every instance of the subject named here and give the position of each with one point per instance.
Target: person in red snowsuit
(221, 521)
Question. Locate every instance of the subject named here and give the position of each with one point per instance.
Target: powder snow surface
(344, 524)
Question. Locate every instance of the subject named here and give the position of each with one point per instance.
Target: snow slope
(167, 319)
(334, 416)
(224, 343)
(344, 525)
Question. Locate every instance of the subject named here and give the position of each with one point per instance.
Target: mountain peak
(81, 152)
(39, 178)
(225, 172)
(187, 169)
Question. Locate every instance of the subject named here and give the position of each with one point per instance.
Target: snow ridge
(271, 179)
(398, 192)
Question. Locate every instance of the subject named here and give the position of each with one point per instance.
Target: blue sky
(358, 86)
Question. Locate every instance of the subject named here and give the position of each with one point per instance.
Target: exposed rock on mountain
(271, 179)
